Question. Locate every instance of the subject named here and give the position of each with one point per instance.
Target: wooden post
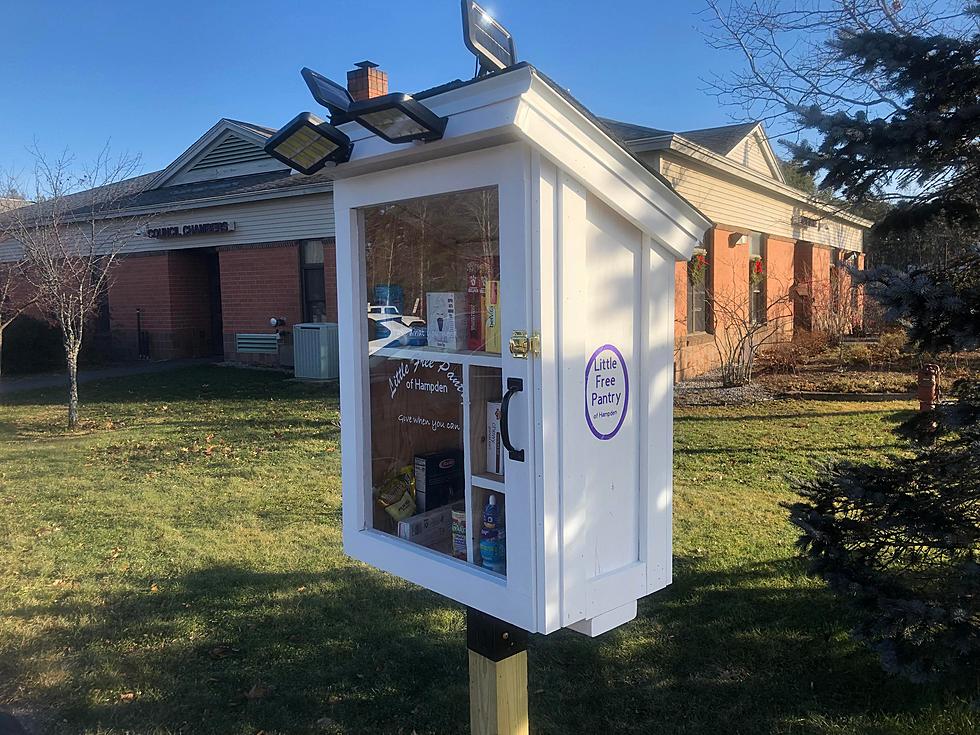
(498, 675)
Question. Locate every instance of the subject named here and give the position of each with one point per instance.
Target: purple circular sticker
(607, 392)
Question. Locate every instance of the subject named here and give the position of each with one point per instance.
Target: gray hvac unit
(315, 351)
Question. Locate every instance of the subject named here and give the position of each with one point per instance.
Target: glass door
(434, 335)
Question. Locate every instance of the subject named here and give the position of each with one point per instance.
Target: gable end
(231, 151)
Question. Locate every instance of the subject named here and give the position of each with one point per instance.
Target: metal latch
(522, 344)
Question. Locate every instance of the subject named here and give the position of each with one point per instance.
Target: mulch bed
(706, 390)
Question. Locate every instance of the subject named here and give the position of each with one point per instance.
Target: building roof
(136, 193)
(145, 191)
(257, 129)
(630, 131)
(720, 140)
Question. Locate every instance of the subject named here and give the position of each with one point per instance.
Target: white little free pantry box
(547, 226)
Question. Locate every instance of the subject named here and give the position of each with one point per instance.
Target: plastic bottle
(493, 549)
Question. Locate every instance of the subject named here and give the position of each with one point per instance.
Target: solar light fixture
(489, 41)
(306, 143)
(398, 118)
(327, 92)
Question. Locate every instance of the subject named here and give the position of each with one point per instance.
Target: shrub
(889, 347)
(856, 355)
(31, 346)
(811, 343)
(899, 544)
(786, 357)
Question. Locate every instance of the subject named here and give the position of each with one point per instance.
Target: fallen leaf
(259, 691)
(220, 652)
(127, 696)
(154, 588)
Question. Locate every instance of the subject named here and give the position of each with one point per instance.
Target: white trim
(519, 104)
(201, 145)
(612, 174)
(507, 168)
(768, 153)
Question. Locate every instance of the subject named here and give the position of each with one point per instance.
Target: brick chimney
(367, 81)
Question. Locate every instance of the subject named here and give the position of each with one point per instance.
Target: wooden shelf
(488, 359)
(489, 481)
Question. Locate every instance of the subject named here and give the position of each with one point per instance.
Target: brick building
(234, 238)
(774, 252)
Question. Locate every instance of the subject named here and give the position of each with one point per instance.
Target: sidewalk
(18, 384)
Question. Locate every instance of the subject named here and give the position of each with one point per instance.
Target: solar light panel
(307, 144)
(327, 92)
(394, 122)
(486, 38)
(398, 118)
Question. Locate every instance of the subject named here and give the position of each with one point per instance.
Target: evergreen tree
(931, 144)
(891, 91)
(888, 89)
(901, 541)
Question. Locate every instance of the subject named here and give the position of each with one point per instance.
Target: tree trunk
(72, 389)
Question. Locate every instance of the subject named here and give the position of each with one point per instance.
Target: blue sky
(152, 77)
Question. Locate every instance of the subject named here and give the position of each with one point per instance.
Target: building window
(698, 273)
(757, 280)
(311, 275)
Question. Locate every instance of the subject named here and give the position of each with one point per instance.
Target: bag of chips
(396, 493)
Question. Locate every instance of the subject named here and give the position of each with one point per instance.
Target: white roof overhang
(519, 105)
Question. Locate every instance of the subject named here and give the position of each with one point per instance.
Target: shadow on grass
(755, 649)
(228, 650)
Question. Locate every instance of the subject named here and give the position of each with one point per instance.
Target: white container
(446, 320)
(588, 240)
(432, 528)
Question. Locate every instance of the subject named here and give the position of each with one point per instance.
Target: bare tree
(741, 328)
(70, 240)
(791, 63)
(798, 68)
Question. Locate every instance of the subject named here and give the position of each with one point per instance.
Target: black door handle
(514, 385)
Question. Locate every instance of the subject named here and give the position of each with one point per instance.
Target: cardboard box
(491, 315)
(495, 448)
(446, 320)
(433, 528)
(438, 479)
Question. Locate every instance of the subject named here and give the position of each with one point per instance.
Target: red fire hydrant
(928, 392)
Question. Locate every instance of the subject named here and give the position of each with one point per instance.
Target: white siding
(307, 217)
(289, 218)
(749, 154)
(742, 205)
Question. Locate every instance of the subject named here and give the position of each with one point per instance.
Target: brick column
(729, 282)
(778, 262)
(330, 280)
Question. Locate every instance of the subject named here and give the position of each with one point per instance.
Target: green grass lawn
(176, 568)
